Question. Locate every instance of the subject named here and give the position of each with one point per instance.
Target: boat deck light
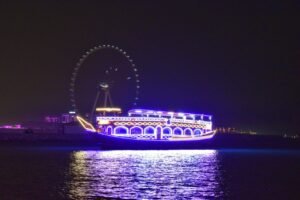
(109, 109)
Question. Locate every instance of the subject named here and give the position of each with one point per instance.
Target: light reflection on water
(174, 174)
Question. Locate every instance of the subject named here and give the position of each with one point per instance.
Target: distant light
(72, 112)
(17, 126)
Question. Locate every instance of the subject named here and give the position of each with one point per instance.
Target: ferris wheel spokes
(131, 75)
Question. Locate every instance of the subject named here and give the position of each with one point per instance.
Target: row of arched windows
(137, 130)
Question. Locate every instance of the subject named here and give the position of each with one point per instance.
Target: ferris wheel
(104, 69)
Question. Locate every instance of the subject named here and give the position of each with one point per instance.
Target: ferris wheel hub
(104, 85)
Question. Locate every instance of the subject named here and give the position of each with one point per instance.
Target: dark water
(65, 173)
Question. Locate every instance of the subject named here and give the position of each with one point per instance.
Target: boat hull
(111, 142)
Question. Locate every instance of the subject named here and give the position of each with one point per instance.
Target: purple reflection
(173, 174)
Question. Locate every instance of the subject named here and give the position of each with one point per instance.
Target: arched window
(177, 131)
(149, 130)
(167, 131)
(121, 130)
(197, 132)
(109, 130)
(136, 130)
(188, 131)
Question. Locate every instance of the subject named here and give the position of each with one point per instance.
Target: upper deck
(168, 114)
(159, 118)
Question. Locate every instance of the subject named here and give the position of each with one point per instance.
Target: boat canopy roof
(167, 113)
(109, 109)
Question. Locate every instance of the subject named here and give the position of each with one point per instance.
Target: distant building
(65, 118)
(234, 130)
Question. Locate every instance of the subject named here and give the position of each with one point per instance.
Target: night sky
(238, 62)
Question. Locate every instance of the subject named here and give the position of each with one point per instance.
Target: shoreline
(93, 141)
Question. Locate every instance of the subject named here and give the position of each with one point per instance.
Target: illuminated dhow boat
(160, 128)
(141, 128)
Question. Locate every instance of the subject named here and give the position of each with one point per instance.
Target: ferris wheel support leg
(105, 98)
(109, 99)
(94, 106)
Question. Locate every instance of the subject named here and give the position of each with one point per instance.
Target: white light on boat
(180, 114)
(103, 121)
